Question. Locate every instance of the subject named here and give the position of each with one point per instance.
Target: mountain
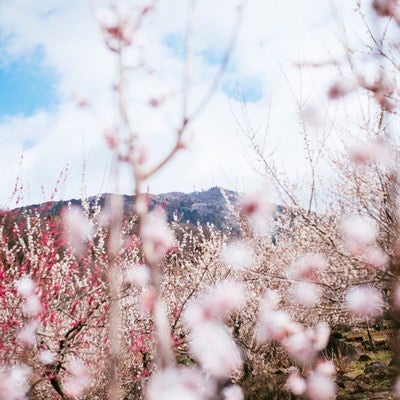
(206, 206)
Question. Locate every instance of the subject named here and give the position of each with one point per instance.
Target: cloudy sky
(52, 55)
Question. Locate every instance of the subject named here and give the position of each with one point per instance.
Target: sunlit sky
(52, 54)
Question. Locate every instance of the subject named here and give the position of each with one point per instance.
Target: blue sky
(26, 85)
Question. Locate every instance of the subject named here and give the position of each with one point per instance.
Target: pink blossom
(320, 387)
(157, 237)
(107, 19)
(385, 8)
(321, 335)
(364, 301)
(274, 325)
(304, 344)
(342, 88)
(374, 151)
(375, 258)
(299, 346)
(308, 267)
(305, 293)
(212, 345)
(295, 383)
(147, 300)
(238, 254)
(79, 379)
(258, 210)
(179, 384)
(269, 301)
(358, 232)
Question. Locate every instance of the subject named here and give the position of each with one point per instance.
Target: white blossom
(47, 357)
(27, 335)
(212, 345)
(216, 304)
(232, 392)
(79, 380)
(364, 301)
(320, 387)
(14, 382)
(238, 254)
(179, 384)
(157, 237)
(78, 230)
(358, 232)
(305, 293)
(26, 286)
(295, 383)
(138, 275)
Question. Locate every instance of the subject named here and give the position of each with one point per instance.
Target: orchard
(100, 303)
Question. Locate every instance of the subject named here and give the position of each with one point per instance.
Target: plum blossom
(274, 325)
(375, 258)
(320, 387)
(325, 367)
(79, 379)
(157, 237)
(304, 344)
(385, 8)
(299, 346)
(305, 293)
(78, 230)
(364, 301)
(47, 357)
(295, 383)
(232, 392)
(26, 286)
(212, 345)
(14, 382)
(358, 232)
(138, 275)
(32, 306)
(238, 254)
(179, 384)
(322, 332)
(375, 151)
(147, 300)
(342, 88)
(308, 267)
(269, 301)
(216, 304)
(257, 208)
(27, 335)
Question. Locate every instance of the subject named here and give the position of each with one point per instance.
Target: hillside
(206, 206)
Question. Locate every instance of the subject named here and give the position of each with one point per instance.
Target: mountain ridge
(206, 206)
